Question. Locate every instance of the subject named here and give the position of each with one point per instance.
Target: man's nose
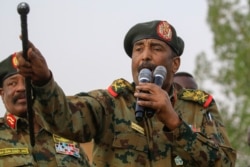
(147, 54)
(21, 86)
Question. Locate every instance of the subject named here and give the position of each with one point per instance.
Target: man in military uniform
(185, 130)
(50, 150)
(185, 80)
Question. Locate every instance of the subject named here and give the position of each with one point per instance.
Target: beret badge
(14, 61)
(164, 30)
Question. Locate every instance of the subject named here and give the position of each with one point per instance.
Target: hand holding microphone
(159, 75)
(145, 76)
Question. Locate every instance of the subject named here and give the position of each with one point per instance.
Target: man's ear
(176, 64)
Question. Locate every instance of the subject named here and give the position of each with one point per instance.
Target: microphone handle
(139, 112)
(159, 81)
(149, 112)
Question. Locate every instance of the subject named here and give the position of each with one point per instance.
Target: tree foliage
(229, 21)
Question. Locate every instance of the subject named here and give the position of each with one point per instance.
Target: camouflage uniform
(108, 116)
(49, 150)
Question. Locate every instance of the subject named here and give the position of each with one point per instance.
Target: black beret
(156, 29)
(8, 67)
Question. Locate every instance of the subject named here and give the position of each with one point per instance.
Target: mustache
(147, 65)
(18, 96)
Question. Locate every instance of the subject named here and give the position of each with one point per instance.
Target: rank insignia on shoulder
(118, 86)
(11, 120)
(198, 96)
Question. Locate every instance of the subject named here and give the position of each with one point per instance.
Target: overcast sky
(82, 40)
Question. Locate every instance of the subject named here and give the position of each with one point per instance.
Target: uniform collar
(15, 122)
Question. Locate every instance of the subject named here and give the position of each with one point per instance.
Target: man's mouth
(146, 65)
(19, 98)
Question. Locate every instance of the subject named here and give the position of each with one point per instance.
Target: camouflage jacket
(49, 151)
(108, 116)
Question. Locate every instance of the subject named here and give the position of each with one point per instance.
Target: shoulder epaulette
(198, 96)
(119, 86)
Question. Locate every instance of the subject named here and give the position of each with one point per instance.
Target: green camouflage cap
(156, 29)
(8, 67)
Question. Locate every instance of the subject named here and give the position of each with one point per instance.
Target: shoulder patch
(119, 86)
(198, 96)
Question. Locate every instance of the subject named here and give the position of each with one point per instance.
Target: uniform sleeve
(72, 117)
(205, 146)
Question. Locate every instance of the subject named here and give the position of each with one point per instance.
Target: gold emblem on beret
(14, 61)
(164, 30)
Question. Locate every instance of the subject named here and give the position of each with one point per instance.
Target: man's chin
(23, 115)
(21, 111)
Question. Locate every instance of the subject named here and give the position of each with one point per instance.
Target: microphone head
(23, 8)
(160, 71)
(145, 75)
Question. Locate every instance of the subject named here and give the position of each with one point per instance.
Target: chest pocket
(128, 138)
(68, 153)
(130, 141)
(131, 138)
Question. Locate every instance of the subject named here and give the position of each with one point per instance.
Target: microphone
(159, 74)
(145, 76)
